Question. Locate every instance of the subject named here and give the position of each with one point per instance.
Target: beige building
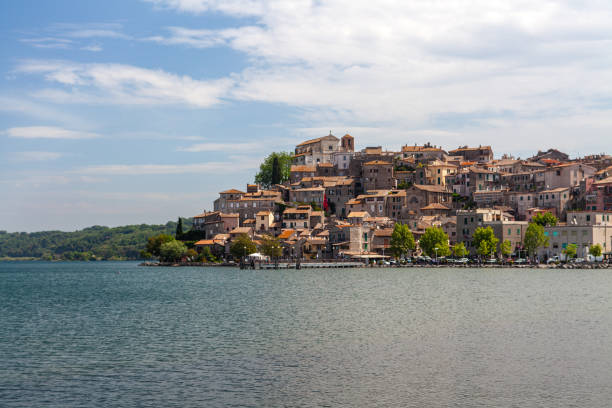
(437, 171)
(584, 228)
(378, 175)
(481, 154)
(264, 221)
(215, 222)
(567, 175)
(555, 199)
(513, 231)
(469, 220)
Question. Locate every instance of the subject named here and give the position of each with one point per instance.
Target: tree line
(92, 243)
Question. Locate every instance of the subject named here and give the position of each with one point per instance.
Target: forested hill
(97, 242)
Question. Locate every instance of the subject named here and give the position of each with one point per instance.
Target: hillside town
(340, 203)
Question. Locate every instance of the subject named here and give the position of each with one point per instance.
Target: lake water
(115, 334)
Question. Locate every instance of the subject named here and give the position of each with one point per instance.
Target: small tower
(348, 143)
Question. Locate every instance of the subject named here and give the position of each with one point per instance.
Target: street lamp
(436, 249)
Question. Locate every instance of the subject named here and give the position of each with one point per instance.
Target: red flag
(325, 205)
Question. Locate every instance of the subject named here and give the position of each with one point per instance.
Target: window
(509, 231)
(518, 231)
(588, 217)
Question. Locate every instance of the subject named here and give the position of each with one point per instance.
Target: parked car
(462, 260)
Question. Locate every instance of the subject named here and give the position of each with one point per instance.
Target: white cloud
(72, 35)
(36, 156)
(417, 66)
(221, 147)
(92, 48)
(47, 132)
(237, 7)
(48, 42)
(123, 84)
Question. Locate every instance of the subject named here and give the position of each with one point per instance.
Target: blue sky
(121, 112)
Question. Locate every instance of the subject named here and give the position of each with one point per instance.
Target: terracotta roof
(264, 213)
(384, 232)
(205, 214)
(203, 242)
(286, 234)
(376, 163)
(241, 230)
(310, 189)
(432, 188)
(435, 206)
(318, 139)
(607, 180)
(229, 215)
(232, 191)
(325, 165)
(358, 214)
(303, 168)
(296, 211)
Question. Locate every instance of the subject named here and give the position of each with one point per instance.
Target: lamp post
(436, 249)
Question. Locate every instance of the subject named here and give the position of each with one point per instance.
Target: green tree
(276, 171)
(534, 238)
(172, 251)
(265, 174)
(404, 185)
(154, 243)
(242, 246)
(402, 240)
(433, 238)
(506, 248)
(179, 228)
(485, 241)
(483, 249)
(595, 250)
(207, 256)
(271, 246)
(570, 251)
(191, 254)
(545, 219)
(459, 250)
